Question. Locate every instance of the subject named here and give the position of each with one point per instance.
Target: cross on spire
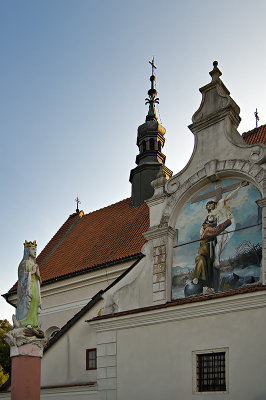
(152, 99)
(78, 202)
(152, 66)
(257, 117)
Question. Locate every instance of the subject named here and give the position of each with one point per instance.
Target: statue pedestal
(26, 373)
(26, 354)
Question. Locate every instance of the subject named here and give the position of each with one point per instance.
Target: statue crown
(30, 244)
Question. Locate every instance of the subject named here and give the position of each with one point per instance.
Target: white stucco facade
(155, 348)
(147, 343)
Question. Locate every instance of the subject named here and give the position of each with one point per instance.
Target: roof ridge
(111, 234)
(70, 229)
(103, 208)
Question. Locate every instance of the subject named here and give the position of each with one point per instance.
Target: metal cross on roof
(152, 66)
(78, 202)
(257, 117)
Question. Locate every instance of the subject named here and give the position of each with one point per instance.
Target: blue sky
(74, 76)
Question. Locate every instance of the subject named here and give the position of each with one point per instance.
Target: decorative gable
(210, 213)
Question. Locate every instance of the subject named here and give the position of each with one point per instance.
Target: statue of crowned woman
(26, 337)
(28, 292)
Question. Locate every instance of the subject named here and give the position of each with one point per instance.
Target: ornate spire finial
(152, 66)
(78, 202)
(215, 73)
(152, 100)
(257, 117)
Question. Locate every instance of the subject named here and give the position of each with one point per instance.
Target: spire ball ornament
(78, 202)
(152, 92)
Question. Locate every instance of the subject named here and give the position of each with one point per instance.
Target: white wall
(154, 348)
(65, 362)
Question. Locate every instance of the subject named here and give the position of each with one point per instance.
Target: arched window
(151, 144)
(218, 244)
(159, 146)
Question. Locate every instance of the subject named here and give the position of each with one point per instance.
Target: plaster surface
(26, 373)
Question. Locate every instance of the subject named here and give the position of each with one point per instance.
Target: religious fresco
(218, 244)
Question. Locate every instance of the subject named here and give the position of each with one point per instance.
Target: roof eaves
(137, 256)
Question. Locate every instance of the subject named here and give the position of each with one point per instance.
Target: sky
(74, 77)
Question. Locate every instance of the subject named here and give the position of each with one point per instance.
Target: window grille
(211, 374)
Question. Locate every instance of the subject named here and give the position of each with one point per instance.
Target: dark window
(159, 146)
(211, 372)
(151, 144)
(143, 146)
(91, 359)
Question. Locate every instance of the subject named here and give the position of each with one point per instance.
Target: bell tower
(150, 141)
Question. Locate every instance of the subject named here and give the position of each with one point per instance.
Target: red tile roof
(104, 236)
(257, 135)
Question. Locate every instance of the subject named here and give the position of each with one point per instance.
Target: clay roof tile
(257, 135)
(101, 237)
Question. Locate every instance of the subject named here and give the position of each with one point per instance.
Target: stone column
(26, 354)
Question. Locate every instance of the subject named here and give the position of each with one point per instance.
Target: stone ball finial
(215, 63)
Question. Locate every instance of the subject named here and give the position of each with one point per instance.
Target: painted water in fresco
(218, 244)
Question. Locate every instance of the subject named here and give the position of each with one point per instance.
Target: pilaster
(161, 239)
(262, 204)
(106, 365)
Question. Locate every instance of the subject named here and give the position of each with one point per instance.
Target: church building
(163, 294)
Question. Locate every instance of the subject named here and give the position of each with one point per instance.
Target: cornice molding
(159, 232)
(75, 390)
(154, 201)
(214, 118)
(81, 281)
(234, 303)
(64, 307)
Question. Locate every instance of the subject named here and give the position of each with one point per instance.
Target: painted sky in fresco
(192, 215)
(74, 76)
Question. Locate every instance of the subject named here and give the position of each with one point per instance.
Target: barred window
(91, 359)
(211, 372)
